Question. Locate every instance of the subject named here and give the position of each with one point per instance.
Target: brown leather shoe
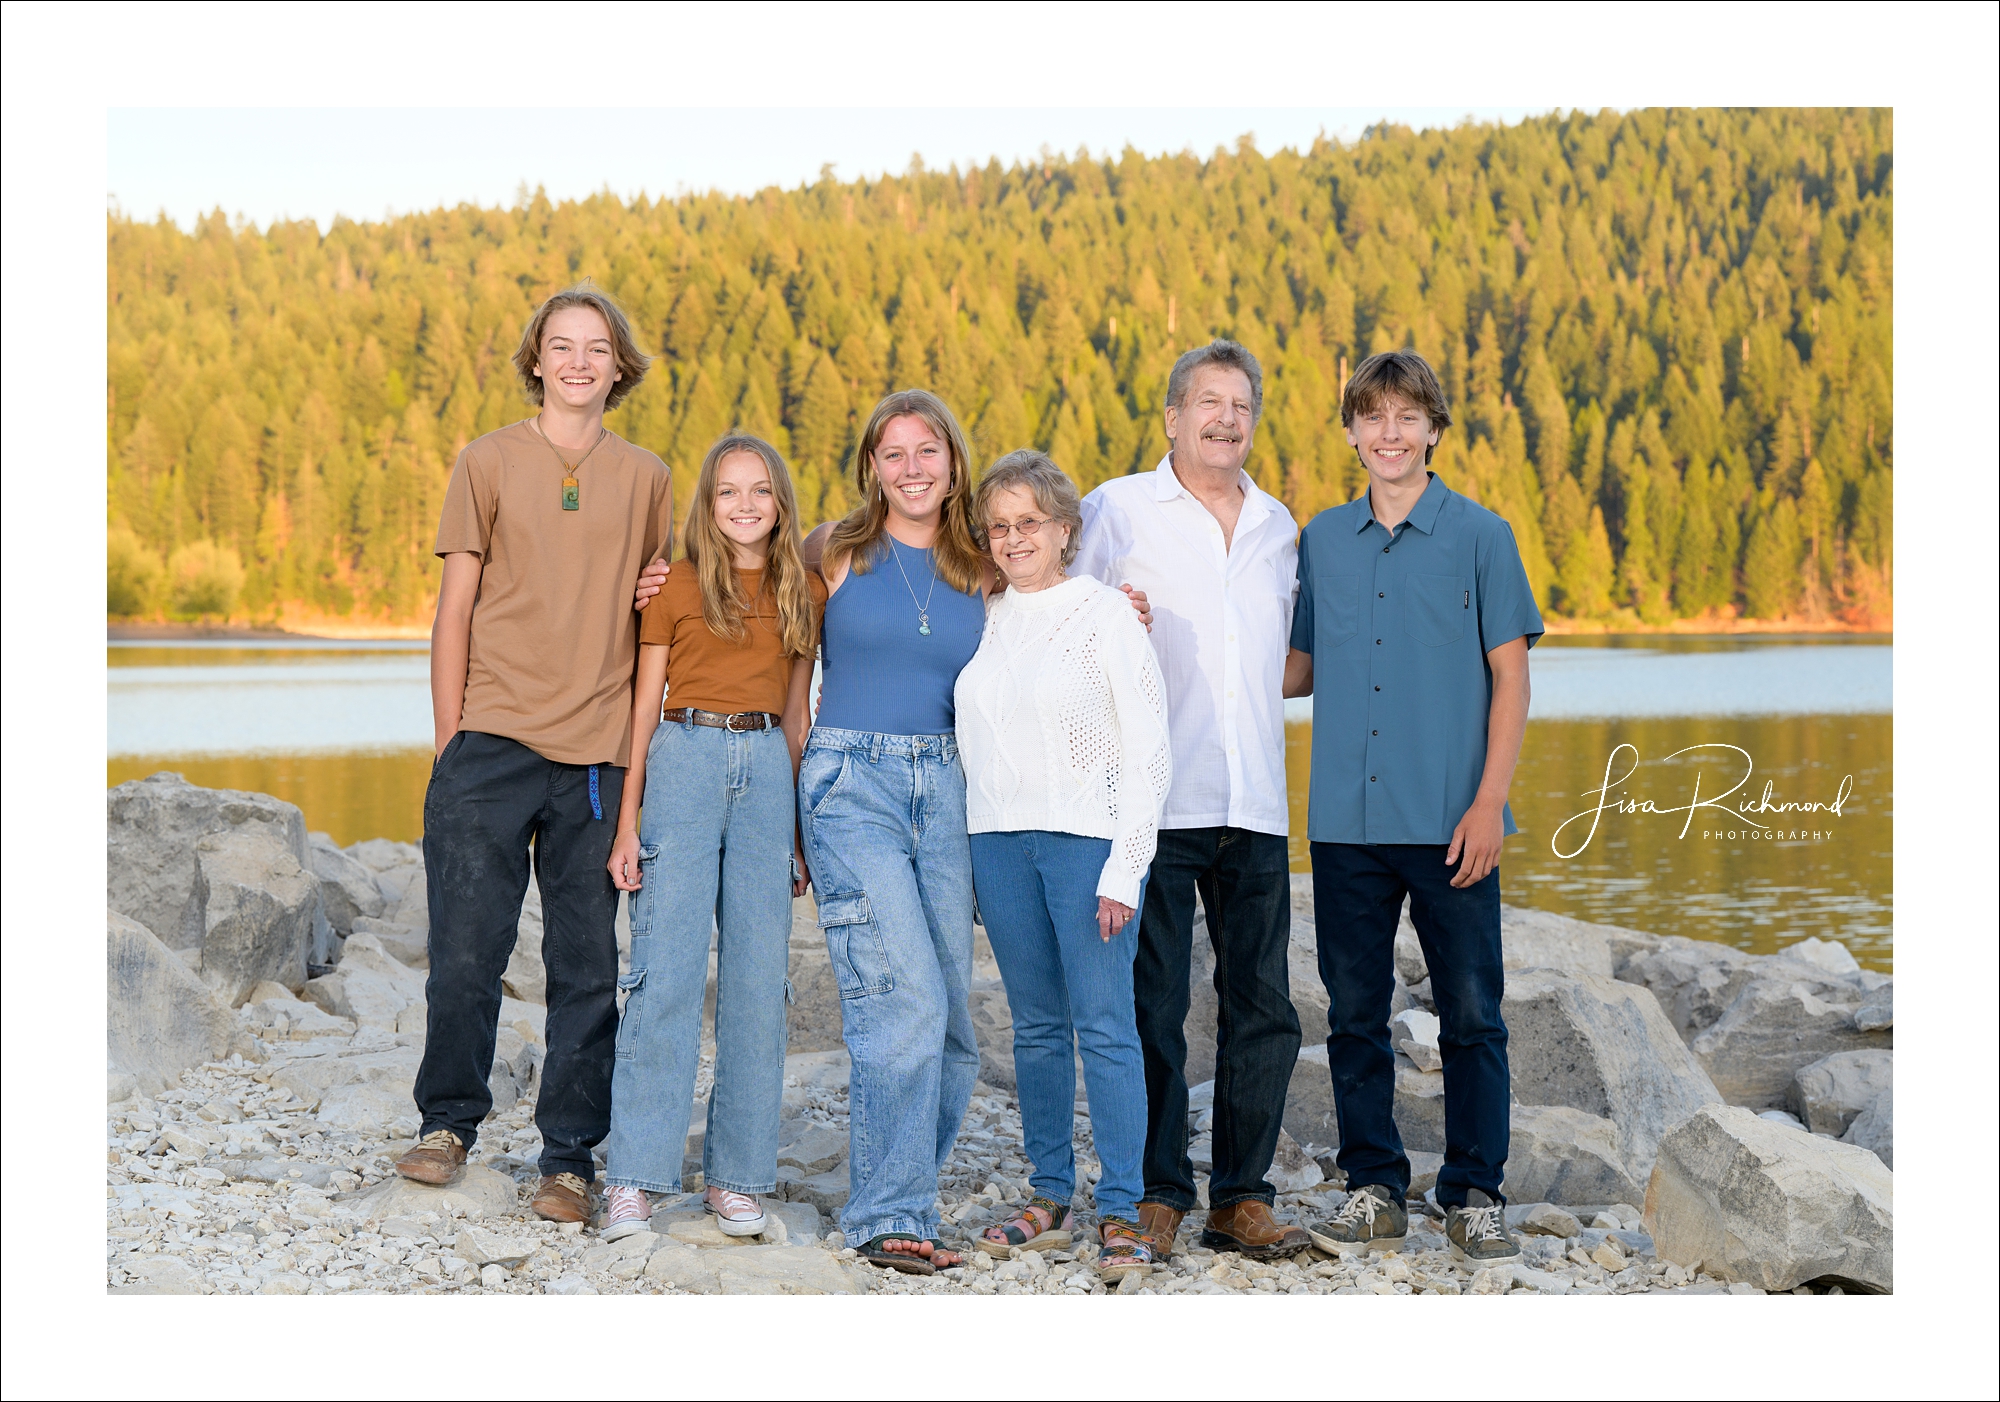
(562, 1198)
(1162, 1224)
(1249, 1229)
(435, 1159)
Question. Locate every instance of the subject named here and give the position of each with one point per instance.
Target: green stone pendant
(572, 495)
(924, 628)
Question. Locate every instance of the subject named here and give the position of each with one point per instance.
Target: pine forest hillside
(1666, 336)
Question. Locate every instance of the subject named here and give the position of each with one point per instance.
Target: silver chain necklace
(924, 608)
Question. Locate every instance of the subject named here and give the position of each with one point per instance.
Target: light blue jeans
(1069, 992)
(884, 820)
(715, 854)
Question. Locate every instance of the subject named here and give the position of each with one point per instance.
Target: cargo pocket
(1435, 608)
(642, 899)
(633, 986)
(854, 946)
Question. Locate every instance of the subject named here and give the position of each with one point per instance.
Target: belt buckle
(729, 723)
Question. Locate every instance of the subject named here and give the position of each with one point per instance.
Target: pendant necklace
(572, 491)
(924, 608)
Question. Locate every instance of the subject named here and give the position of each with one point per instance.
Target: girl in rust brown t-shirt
(730, 641)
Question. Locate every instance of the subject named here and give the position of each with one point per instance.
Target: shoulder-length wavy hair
(708, 551)
(857, 539)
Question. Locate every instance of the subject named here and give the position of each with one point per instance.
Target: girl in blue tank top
(882, 813)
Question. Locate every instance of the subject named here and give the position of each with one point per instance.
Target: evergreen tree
(1654, 308)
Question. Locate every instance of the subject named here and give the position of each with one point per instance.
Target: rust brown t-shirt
(720, 674)
(554, 635)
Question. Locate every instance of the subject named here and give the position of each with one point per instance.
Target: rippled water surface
(343, 730)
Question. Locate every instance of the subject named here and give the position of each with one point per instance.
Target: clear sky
(275, 163)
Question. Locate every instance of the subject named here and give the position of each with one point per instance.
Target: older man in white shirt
(1218, 558)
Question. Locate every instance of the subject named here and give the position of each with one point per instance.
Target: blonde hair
(1055, 495)
(857, 538)
(708, 551)
(632, 362)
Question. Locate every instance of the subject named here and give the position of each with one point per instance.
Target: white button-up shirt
(1222, 621)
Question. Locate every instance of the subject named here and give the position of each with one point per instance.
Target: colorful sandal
(1127, 1250)
(1043, 1224)
(908, 1262)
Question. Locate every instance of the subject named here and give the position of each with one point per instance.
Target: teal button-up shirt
(1399, 626)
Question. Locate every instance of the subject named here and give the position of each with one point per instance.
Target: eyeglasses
(1027, 526)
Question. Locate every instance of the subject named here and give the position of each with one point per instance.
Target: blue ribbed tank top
(878, 672)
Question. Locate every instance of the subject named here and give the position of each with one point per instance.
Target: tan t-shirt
(554, 634)
(709, 673)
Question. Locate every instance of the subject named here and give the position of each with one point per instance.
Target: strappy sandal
(1043, 1224)
(908, 1262)
(1127, 1250)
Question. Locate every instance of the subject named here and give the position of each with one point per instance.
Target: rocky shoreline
(1688, 1118)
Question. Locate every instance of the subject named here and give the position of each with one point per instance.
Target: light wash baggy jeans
(715, 855)
(884, 820)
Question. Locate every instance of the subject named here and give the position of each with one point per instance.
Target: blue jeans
(884, 821)
(715, 855)
(1358, 895)
(1069, 991)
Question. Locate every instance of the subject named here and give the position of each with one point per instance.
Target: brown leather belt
(739, 721)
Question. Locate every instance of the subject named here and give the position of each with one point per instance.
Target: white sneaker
(627, 1212)
(737, 1214)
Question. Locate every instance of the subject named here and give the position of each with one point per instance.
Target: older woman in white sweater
(1063, 727)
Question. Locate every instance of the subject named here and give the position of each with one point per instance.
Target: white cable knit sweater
(1062, 720)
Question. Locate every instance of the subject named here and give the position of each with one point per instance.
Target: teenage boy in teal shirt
(1411, 633)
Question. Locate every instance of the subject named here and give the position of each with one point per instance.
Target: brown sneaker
(1249, 1229)
(434, 1159)
(1162, 1224)
(563, 1198)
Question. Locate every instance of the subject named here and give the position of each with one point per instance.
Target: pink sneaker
(627, 1211)
(737, 1214)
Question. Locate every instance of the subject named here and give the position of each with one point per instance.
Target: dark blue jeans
(1246, 892)
(491, 800)
(1358, 894)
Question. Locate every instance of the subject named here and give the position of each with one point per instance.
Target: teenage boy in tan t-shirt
(545, 523)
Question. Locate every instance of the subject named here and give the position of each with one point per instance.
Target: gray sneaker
(1370, 1217)
(1477, 1234)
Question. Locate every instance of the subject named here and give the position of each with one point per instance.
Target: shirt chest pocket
(1336, 609)
(1435, 607)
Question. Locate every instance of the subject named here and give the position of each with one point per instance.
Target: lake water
(342, 729)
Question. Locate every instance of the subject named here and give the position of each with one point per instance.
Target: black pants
(1358, 896)
(489, 799)
(1245, 884)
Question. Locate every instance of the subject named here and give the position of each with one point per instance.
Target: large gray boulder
(1564, 1156)
(151, 831)
(373, 988)
(1748, 1199)
(347, 886)
(160, 1017)
(1827, 1094)
(1694, 980)
(1541, 939)
(1773, 1028)
(1874, 1129)
(1597, 1045)
(258, 910)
